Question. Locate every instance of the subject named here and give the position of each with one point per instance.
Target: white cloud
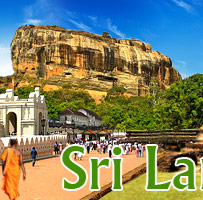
(114, 29)
(80, 25)
(35, 22)
(39, 7)
(91, 22)
(74, 19)
(181, 66)
(40, 11)
(184, 5)
(185, 75)
(93, 18)
(5, 61)
(197, 2)
(71, 14)
(147, 35)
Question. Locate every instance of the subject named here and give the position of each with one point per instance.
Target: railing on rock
(164, 136)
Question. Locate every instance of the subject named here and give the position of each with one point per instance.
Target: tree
(106, 34)
(154, 91)
(2, 90)
(60, 99)
(23, 92)
(181, 106)
(115, 91)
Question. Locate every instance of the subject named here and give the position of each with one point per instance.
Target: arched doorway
(40, 124)
(11, 119)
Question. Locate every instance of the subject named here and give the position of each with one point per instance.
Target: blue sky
(172, 27)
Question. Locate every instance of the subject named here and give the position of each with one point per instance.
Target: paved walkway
(44, 181)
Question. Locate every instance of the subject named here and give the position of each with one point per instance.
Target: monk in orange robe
(12, 162)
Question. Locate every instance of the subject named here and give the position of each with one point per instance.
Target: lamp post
(73, 128)
(68, 137)
(65, 126)
(43, 125)
(84, 127)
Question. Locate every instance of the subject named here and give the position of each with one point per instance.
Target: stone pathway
(44, 181)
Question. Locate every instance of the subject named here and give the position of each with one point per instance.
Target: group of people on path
(58, 148)
(12, 160)
(139, 149)
(106, 146)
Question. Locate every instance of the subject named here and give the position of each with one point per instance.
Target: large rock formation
(60, 56)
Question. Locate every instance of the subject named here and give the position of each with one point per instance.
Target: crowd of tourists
(12, 172)
(103, 147)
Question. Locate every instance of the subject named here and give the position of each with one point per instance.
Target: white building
(94, 119)
(80, 118)
(69, 116)
(23, 116)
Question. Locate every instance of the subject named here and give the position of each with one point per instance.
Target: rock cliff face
(60, 56)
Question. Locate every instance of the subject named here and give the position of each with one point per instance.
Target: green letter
(117, 169)
(188, 173)
(69, 164)
(201, 186)
(151, 182)
(94, 174)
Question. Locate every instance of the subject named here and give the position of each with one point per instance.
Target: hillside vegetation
(179, 107)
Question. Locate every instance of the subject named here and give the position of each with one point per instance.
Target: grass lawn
(135, 189)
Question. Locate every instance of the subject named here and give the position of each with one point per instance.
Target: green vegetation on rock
(179, 107)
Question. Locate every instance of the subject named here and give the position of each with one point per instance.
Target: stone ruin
(44, 145)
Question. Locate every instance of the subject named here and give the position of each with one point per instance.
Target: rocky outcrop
(59, 56)
(166, 161)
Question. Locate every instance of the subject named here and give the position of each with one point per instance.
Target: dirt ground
(44, 181)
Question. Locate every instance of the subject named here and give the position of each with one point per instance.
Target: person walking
(136, 149)
(75, 155)
(130, 147)
(101, 147)
(33, 154)
(127, 149)
(142, 150)
(60, 147)
(104, 148)
(56, 149)
(110, 150)
(12, 162)
(88, 146)
(79, 154)
(139, 150)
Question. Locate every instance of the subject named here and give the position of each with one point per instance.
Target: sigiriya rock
(60, 56)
